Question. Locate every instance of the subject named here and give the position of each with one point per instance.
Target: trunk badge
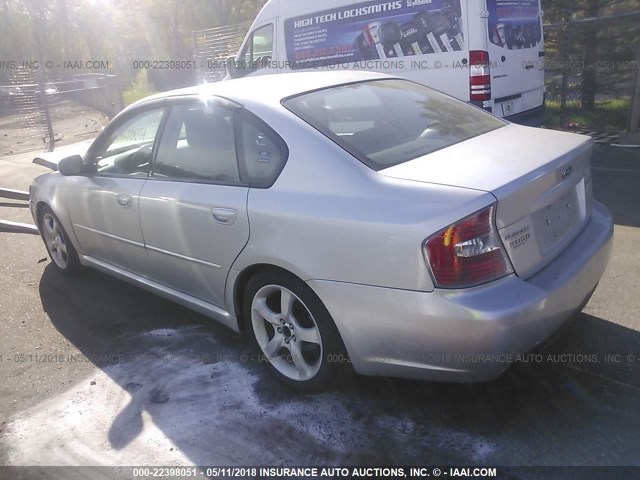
(567, 173)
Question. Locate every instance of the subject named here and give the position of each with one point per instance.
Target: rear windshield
(515, 24)
(384, 123)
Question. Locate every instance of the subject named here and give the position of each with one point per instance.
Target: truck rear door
(516, 50)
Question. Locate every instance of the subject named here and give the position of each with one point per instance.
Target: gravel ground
(139, 380)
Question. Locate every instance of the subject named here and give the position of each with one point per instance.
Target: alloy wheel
(286, 332)
(54, 239)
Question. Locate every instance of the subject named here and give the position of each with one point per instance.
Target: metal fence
(22, 99)
(591, 69)
(214, 45)
(37, 112)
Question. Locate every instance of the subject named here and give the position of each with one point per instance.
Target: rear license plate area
(554, 222)
(508, 108)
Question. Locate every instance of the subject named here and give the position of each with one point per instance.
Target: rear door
(516, 49)
(442, 51)
(193, 209)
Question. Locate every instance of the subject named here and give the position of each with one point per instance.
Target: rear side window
(198, 145)
(263, 153)
(515, 24)
(385, 123)
(213, 144)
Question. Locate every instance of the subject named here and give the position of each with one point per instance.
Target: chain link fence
(591, 69)
(37, 112)
(23, 116)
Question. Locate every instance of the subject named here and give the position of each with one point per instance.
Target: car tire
(63, 254)
(301, 347)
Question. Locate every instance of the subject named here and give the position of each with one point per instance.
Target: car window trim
(242, 163)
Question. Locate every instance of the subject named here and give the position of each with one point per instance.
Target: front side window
(384, 123)
(259, 48)
(198, 144)
(128, 151)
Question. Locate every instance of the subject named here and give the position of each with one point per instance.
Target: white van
(487, 52)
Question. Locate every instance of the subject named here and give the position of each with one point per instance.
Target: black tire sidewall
(332, 346)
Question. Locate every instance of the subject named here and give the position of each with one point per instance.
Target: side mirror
(71, 166)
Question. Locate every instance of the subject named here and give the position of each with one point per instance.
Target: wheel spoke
(310, 335)
(265, 312)
(273, 347)
(286, 303)
(50, 226)
(304, 369)
(54, 240)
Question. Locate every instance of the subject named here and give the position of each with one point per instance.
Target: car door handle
(224, 216)
(124, 200)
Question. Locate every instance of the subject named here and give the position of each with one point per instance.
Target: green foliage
(606, 115)
(139, 89)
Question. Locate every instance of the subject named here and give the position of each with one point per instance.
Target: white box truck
(487, 52)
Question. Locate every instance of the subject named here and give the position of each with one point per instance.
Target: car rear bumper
(466, 335)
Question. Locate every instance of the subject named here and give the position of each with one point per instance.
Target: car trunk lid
(541, 179)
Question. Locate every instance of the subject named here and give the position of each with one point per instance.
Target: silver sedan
(341, 220)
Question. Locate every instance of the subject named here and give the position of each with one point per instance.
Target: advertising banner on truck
(515, 24)
(375, 30)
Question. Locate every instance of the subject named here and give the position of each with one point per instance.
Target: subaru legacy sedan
(342, 220)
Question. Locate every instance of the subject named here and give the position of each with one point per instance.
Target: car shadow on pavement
(177, 388)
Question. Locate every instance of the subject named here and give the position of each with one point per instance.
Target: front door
(104, 206)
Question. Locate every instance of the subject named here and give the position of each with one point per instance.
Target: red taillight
(479, 75)
(467, 253)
